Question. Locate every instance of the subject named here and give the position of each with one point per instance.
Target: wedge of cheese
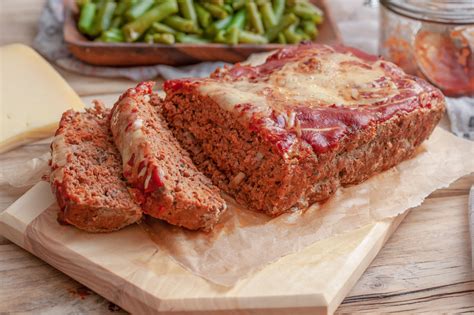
(32, 97)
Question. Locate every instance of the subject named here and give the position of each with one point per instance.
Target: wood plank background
(424, 267)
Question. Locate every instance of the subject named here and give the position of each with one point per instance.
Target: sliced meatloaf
(86, 174)
(287, 133)
(166, 182)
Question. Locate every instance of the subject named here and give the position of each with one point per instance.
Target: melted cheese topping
(316, 80)
(58, 158)
(328, 82)
(228, 95)
(128, 139)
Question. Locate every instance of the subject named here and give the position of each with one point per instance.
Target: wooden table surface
(424, 267)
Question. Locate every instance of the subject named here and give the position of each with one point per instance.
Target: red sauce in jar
(445, 64)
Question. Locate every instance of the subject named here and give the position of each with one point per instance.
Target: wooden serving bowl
(141, 54)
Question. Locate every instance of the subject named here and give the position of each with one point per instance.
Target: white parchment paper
(27, 173)
(245, 241)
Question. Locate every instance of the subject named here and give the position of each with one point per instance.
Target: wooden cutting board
(126, 268)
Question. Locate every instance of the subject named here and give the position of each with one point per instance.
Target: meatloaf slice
(86, 174)
(286, 133)
(167, 183)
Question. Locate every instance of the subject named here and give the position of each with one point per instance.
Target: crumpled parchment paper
(27, 173)
(245, 241)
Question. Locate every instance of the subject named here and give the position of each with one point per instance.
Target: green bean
(291, 36)
(122, 6)
(150, 31)
(254, 17)
(268, 17)
(135, 29)
(86, 18)
(301, 12)
(233, 35)
(220, 37)
(81, 3)
(108, 39)
(228, 8)
(286, 21)
(251, 38)
(238, 4)
(218, 25)
(203, 16)
(164, 38)
(162, 28)
(95, 29)
(106, 19)
(116, 22)
(139, 8)
(238, 20)
(278, 8)
(148, 38)
(302, 34)
(224, 23)
(217, 2)
(103, 18)
(307, 13)
(310, 29)
(187, 10)
(116, 31)
(190, 39)
(181, 24)
(216, 11)
(113, 35)
(312, 7)
(281, 38)
(318, 19)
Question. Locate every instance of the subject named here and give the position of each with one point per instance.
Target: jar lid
(458, 12)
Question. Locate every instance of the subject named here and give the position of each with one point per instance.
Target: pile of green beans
(202, 21)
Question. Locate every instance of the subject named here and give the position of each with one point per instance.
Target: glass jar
(433, 39)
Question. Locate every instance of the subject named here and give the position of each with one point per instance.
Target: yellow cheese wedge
(32, 97)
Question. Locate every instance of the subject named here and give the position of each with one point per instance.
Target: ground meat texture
(285, 134)
(237, 160)
(86, 174)
(166, 182)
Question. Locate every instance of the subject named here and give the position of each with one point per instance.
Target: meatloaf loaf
(86, 174)
(287, 133)
(166, 182)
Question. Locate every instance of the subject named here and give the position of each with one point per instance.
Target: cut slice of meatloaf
(167, 183)
(86, 174)
(286, 133)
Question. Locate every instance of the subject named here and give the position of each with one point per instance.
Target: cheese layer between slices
(33, 97)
